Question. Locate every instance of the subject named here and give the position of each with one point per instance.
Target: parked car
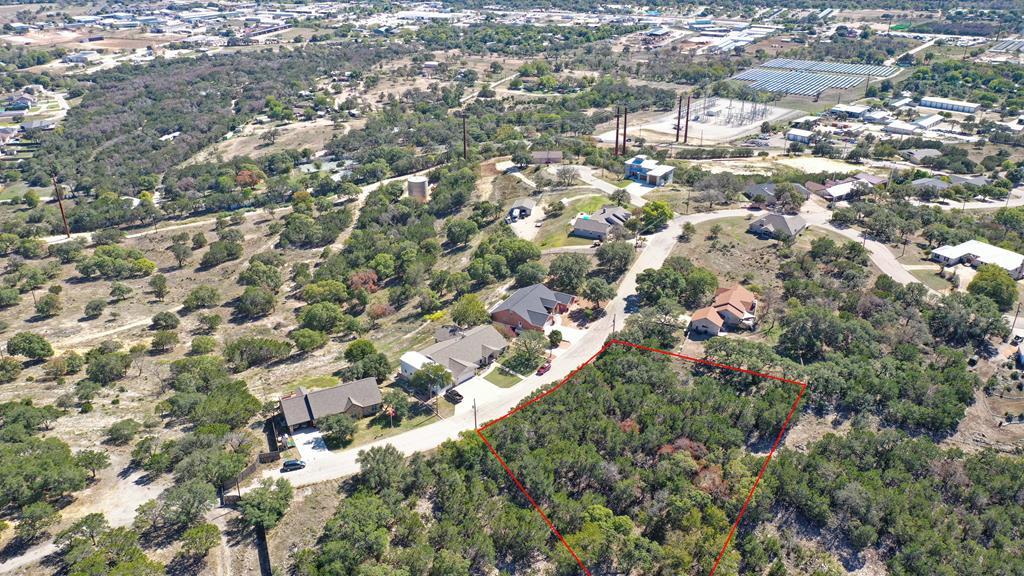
(453, 396)
(544, 368)
(1017, 339)
(290, 465)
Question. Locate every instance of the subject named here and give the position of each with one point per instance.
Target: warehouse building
(951, 105)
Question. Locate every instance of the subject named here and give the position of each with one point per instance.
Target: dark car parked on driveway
(290, 465)
(453, 396)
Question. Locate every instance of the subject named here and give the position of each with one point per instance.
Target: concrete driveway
(310, 444)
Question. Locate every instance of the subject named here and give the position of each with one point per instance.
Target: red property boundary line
(608, 344)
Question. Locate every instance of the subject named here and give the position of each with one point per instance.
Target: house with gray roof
(531, 308)
(358, 399)
(599, 225)
(778, 226)
(765, 194)
(919, 155)
(462, 354)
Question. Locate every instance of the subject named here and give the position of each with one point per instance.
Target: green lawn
(930, 278)
(555, 232)
(502, 378)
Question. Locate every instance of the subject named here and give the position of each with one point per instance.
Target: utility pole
(686, 128)
(617, 115)
(465, 140)
(60, 201)
(1015, 314)
(475, 426)
(625, 118)
(679, 117)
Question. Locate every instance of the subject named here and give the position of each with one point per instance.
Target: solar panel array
(799, 83)
(831, 67)
(1014, 45)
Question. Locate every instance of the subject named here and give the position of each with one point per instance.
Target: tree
(555, 338)
(158, 284)
(187, 502)
(615, 256)
(88, 528)
(995, 283)
(164, 321)
(94, 308)
(9, 370)
(431, 379)
(655, 216)
(35, 518)
(397, 405)
(470, 311)
(325, 317)
(181, 252)
(569, 271)
(29, 345)
(381, 468)
(459, 231)
(264, 506)
(49, 305)
(567, 175)
(307, 340)
(93, 460)
(527, 352)
(359, 349)
(962, 318)
(521, 158)
(203, 344)
(123, 431)
(337, 429)
(202, 297)
(598, 291)
(119, 291)
(530, 273)
(256, 301)
(164, 340)
(198, 540)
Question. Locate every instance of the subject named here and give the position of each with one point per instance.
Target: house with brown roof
(357, 399)
(733, 308)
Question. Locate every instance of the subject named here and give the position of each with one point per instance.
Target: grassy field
(555, 232)
(502, 378)
(931, 279)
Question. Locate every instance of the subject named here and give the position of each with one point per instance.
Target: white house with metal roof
(975, 252)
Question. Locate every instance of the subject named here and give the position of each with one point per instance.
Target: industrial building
(950, 105)
(801, 136)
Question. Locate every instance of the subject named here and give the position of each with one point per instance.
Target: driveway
(310, 443)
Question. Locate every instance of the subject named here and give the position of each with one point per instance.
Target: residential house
(531, 308)
(462, 353)
(837, 190)
(975, 252)
(547, 157)
(648, 171)
(732, 308)
(778, 226)
(358, 399)
(600, 224)
(763, 195)
(919, 155)
(938, 184)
